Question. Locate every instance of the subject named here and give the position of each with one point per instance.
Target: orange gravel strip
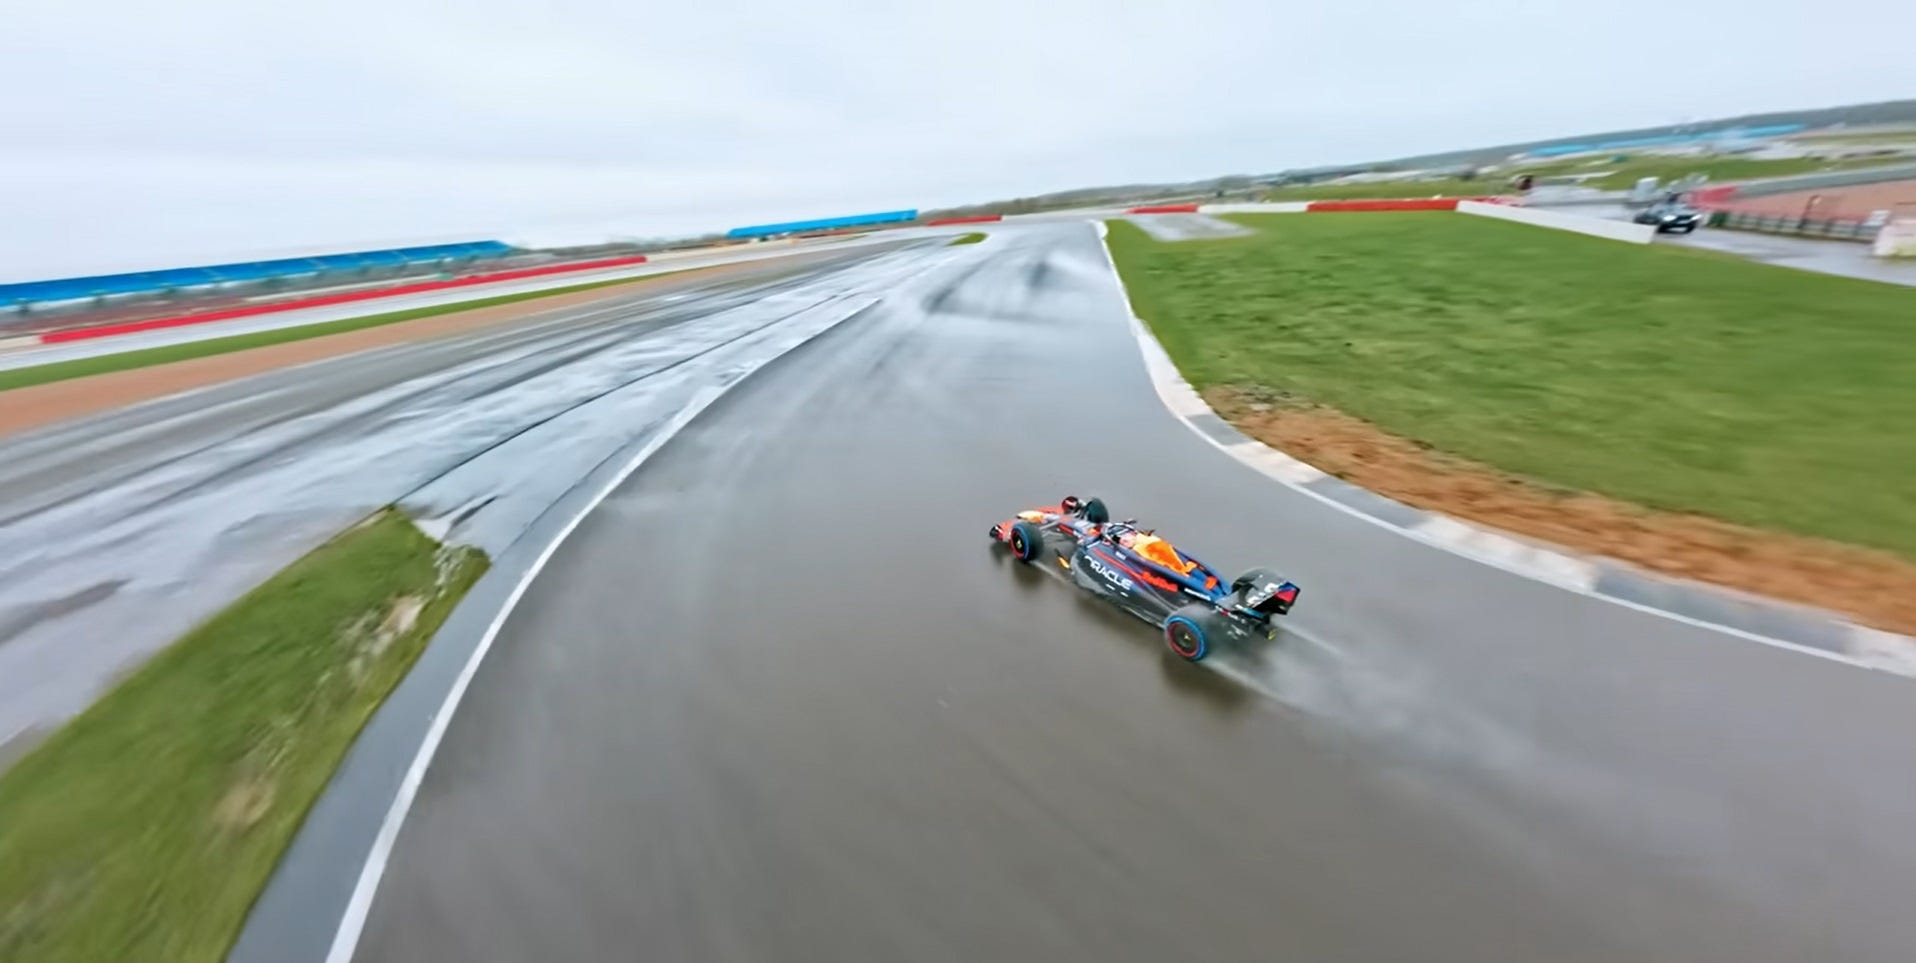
(1872, 587)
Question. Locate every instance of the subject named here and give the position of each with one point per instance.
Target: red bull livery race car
(1147, 576)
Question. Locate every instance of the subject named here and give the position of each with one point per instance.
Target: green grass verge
(144, 828)
(971, 238)
(1671, 378)
(147, 357)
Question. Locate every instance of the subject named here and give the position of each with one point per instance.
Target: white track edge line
(1143, 334)
(359, 906)
(353, 921)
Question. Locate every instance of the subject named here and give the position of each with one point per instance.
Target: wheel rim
(1183, 638)
(1020, 545)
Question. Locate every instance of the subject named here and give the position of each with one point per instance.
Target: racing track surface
(661, 264)
(777, 699)
(121, 531)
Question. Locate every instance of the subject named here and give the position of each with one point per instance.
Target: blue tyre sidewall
(1203, 641)
(1032, 539)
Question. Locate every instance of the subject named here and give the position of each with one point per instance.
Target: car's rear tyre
(1095, 512)
(1026, 541)
(1187, 633)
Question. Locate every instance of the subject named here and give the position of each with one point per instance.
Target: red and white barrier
(1359, 204)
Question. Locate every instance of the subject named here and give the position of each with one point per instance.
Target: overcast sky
(146, 134)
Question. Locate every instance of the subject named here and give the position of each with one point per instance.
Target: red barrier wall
(974, 219)
(130, 327)
(1713, 196)
(1402, 204)
(1164, 209)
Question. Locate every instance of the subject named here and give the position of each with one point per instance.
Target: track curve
(776, 700)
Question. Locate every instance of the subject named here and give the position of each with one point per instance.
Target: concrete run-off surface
(777, 699)
(121, 531)
(1845, 258)
(1186, 227)
(1842, 258)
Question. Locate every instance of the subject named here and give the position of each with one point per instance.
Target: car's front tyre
(1026, 541)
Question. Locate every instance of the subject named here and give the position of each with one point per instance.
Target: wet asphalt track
(1846, 258)
(119, 532)
(776, 699)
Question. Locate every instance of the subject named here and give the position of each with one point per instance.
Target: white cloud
(142, 132)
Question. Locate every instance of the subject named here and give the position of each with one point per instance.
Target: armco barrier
(1593, 226)
(150, 324)
(975, 219)
(1163, 209)
(1832, 228)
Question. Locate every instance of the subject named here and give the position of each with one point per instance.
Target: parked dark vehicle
(1671, 217)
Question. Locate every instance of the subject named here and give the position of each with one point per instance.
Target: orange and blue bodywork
(1147, 576)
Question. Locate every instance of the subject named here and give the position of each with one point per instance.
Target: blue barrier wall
(1728, 134)
(71, 289)
(823, 224)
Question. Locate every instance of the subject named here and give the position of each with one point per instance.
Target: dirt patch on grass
(1875, 588)
(369, 640)
(246, 802)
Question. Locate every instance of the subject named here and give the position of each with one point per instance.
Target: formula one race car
(1144, 575)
